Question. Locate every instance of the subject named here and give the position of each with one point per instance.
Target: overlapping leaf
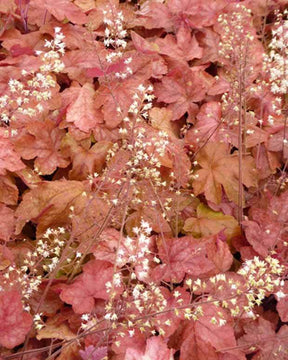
(187, 255)
(221, 169)
(89, 286)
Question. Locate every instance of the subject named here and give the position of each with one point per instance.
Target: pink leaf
(92, 353)
(142, 45)
(196, 257)
(62, 9)
(119, 66)
(156, 349)
(89, 286)
(186, 47)
(14, 322)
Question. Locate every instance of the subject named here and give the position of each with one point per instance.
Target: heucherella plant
(143, 192)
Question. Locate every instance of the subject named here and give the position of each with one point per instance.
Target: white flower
(280, 294)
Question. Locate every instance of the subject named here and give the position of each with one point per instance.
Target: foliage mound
(143, 172)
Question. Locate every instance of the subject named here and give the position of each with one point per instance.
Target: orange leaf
(209, 222)
(48, 204)
(42, 140)
(219, 168)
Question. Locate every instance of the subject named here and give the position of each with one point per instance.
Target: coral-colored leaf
(122, 93)
(209, 222)
(105, 248)
(92, 353)
(49, 202)
(182, 92)
(7, 6)
(42, 141)
(82, 112)
(85, 161)
(7, 222)
(8, 190)
(156, 349)
(221, 169)
(261, 335)
(277, 143)
(52, 330)
(85, 5)
(189, 255)
(175, 317)
(9, 159)
(14, 322)
(196, 13)
(265, 230)
(62, 9)
(118, 66)
(206, 340)
(155, 15)
(177, 48)
(161, 119)
(18, 44)
(282, 304)
(89, 286)
(71, 352)
(219, 254)
(142, 45)
(207, 125)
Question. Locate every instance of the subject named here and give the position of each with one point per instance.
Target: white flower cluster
(115, 39)
(140, 248)
(146, 150)
(235, 33)
(52, 59)
(44, 258)
(50, 248)
(262, 277)
(258, 279)
(88, 321)
(24, 97)
(38, 322)
(278, 56)
(114, 32)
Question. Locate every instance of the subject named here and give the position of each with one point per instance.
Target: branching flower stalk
(235, 50)
(276, 64)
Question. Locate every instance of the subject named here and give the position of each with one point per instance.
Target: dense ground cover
(143, 179)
